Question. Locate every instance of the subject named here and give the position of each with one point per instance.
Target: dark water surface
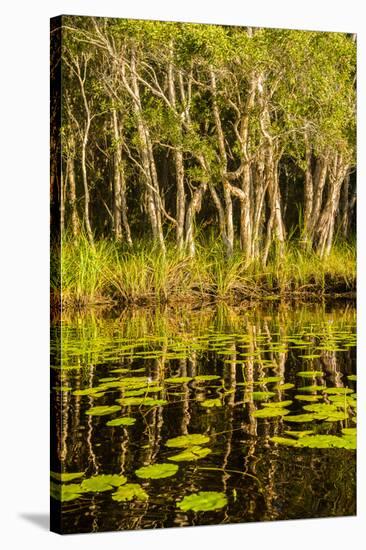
(245, 357)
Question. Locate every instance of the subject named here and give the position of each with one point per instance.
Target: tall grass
(110, 272)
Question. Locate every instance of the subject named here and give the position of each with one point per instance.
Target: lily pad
(206, 377)
(203, 501)
(102, 410)
(283, 387)
(269, 412)
(130, 491)
(262, 395)
(336, 391)
(278, 404)
(124, 421)
(100, 483)
(157, 471)
(178, 380)
(65, 477)
(284, 441)
(192, 453)
(187, 440)
(310, 373)
(312, 389)
(210, 403)
(308, 397)
(141, 401)
(65, 493)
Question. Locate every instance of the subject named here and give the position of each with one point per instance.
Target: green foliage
(130, 491)
(157, 471)
(187, 440)
(204, 501)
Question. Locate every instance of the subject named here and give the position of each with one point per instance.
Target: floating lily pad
(312, 389)
(65, 477)
(100, 483)
(178, 380)
(325, 442)
(192, 453)
(308, 397)
(187, 440)
(310, 373)
(131, 491)
(349, 431)
(283, 387)
(278, 404)
(262, 395)
(284, 441)
(103, 410)
(336, 391)
(87, 391)
(124, 421)
(269, 379)
(269, 412)
(206, 377)
(65, 493)
(295, 433)
(203, 501)
(141, 401)
(352, 377)
(210, 403)
(310, 417)
(157, 471)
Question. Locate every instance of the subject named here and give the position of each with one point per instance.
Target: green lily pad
(124, 421)
(178, 380)
(65, 477)
(310, 373)
(203, 501)
(312, 389)
(141, 401)
(65, 493)
(187, 440)
(336, 391)
(100, 483)
(284, 441)
(131, 491)
(157, 471)
(262, 395)
(352, 377)
(269, 412)
(102, 410)
(210, 403)
(192, 453)
(295, 433)
(283, 387)
(206, 377)
(325, 442)
(269, 379)
(349, 431)
(278, 404)
(86, 391)
(310, 417)
(308, 397)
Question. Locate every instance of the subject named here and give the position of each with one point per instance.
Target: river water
(125, 386)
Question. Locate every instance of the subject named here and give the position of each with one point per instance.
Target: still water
(244, 414)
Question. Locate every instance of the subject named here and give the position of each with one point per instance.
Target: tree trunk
(72, 196)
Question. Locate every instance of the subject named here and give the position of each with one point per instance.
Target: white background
(24, 201)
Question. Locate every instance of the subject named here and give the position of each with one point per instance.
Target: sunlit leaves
(203, 501)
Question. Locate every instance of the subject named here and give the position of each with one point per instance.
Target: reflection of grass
(112, 272)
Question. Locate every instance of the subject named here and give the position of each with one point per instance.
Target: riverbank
(109, 273)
